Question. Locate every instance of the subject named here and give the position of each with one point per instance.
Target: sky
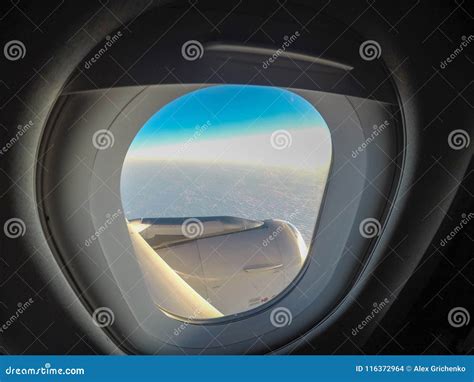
(237, 124)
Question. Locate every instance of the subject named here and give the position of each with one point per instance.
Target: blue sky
(234, 116)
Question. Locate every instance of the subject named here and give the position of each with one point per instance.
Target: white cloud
(310, 148)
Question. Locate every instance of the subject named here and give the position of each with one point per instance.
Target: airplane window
(221, 189)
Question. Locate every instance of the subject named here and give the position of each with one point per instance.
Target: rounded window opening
(221, 189)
